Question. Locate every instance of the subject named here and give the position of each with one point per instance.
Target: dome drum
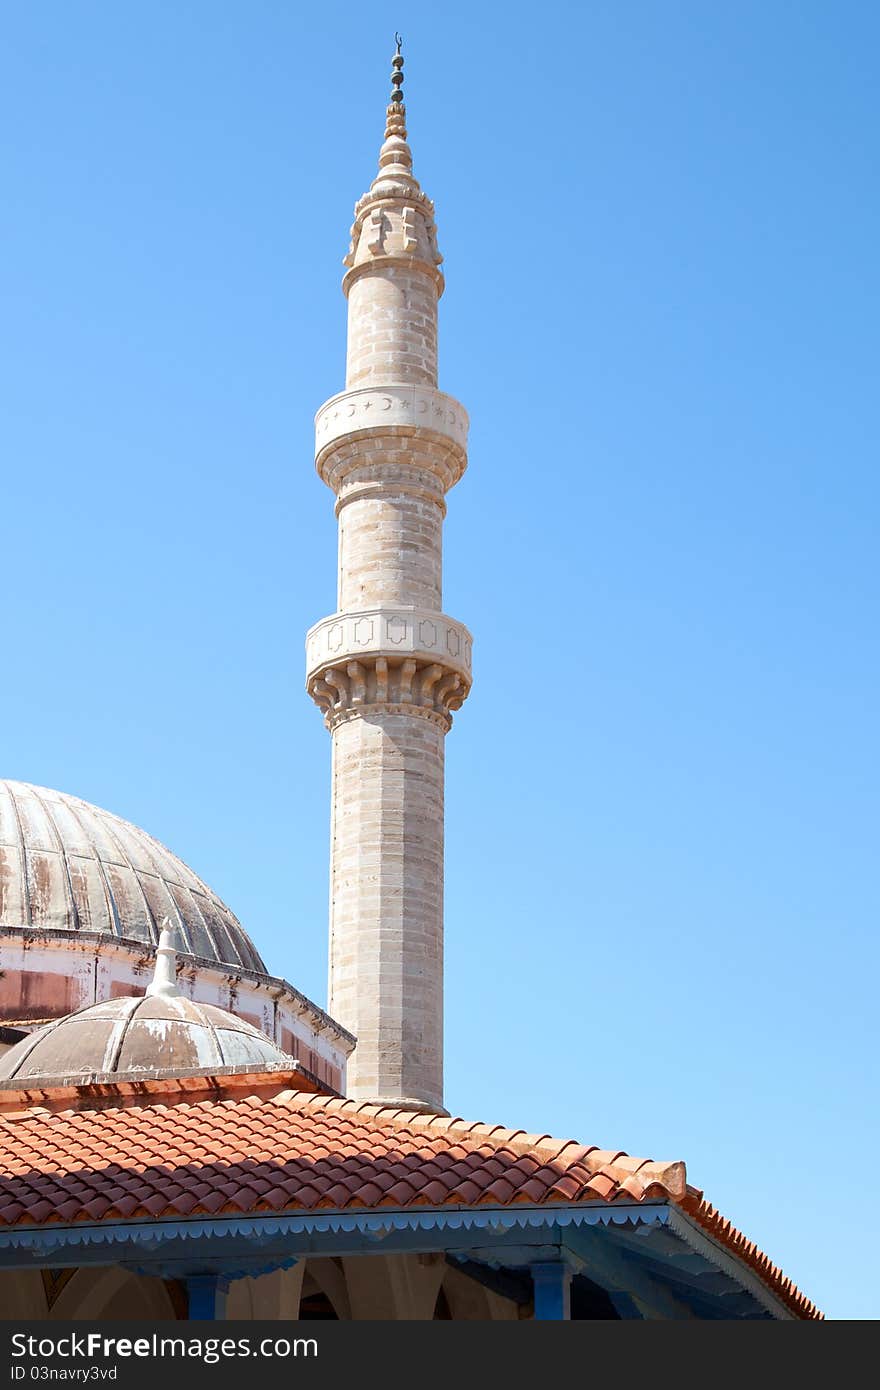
(47, 975)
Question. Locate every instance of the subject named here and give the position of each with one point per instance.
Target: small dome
(68, 866)
(122, 1038)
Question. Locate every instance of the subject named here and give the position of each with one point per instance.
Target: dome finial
(395, 123)
(164, 981)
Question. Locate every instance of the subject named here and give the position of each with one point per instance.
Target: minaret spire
(388, 668)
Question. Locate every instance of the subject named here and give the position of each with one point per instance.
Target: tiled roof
(296, 1151)
(716, 1225)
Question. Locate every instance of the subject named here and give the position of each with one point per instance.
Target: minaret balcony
(408, 659)
(393, 409)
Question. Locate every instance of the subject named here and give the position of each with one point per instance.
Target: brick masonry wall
(392, 327)
(390, 536)
(386, 909)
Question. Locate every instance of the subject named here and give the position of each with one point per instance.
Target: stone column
(389, 667)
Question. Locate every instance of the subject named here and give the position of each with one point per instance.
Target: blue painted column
(552, 1284)
(207, 1297)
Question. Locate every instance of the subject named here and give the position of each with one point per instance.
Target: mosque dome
(68, 866)
(159, 1032)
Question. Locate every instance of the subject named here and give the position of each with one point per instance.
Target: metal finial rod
(397, 72)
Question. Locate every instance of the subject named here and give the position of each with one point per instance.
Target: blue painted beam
(174, 1251)
(617, 1272)
(295, 1235)
(708, 1282)
(499, 1279)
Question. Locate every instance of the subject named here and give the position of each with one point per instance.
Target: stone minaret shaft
(388, 668)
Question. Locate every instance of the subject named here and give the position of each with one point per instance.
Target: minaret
(388, 668)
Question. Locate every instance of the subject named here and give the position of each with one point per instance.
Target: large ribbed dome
(66, 865)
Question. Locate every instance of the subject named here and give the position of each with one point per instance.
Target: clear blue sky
(660, 224)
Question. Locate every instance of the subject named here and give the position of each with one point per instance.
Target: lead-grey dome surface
(66, 865)
(124, 1037)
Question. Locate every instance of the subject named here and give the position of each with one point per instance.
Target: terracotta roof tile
(298, 1150)
(600, 1185)
(467, 1193)
(718, 1226)
(533, 1190)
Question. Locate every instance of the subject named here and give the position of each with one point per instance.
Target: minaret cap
(395, 104)
(164, 981)
(396, 151)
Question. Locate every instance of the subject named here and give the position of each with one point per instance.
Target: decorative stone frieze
(371, 410)
(395, 634)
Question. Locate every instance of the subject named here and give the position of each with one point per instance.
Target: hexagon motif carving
(398, 636)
